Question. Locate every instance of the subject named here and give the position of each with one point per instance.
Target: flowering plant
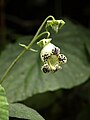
(50, 56)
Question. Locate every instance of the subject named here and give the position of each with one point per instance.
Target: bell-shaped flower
(51, 56)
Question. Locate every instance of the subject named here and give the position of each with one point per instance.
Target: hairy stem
(25, 50)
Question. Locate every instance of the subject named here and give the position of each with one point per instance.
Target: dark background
(25, 16)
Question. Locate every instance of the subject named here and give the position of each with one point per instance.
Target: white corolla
(51, 57)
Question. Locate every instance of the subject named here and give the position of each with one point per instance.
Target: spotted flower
(51, 56)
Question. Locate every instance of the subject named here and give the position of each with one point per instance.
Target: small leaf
(33, 50)
(21, 111)
(22, 45)
(4, 112)
(26, 47)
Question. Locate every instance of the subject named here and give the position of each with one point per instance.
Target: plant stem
(25, 50)
(40, 28)
(46, 32)
(12, 65)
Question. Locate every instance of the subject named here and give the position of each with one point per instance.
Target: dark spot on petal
(46, 69)
(42, 55)
(56, 51)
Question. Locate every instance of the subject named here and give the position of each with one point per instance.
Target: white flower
(51, 57)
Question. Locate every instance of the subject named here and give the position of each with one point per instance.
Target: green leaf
(27, 79)
(4, 112)
(21, 111)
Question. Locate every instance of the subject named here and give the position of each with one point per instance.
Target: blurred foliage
(28, 85)
(64, 104)
(4, 113)
(21, 111)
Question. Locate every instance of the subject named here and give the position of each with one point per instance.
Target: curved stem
(40, 28)
(25, 50)
(46, 32)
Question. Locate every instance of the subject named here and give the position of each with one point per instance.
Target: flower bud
(55, 24)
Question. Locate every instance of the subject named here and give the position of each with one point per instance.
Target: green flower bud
(55, 24)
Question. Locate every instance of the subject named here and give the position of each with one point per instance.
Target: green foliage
(4, 112)
(27, 79)
(21, 111)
